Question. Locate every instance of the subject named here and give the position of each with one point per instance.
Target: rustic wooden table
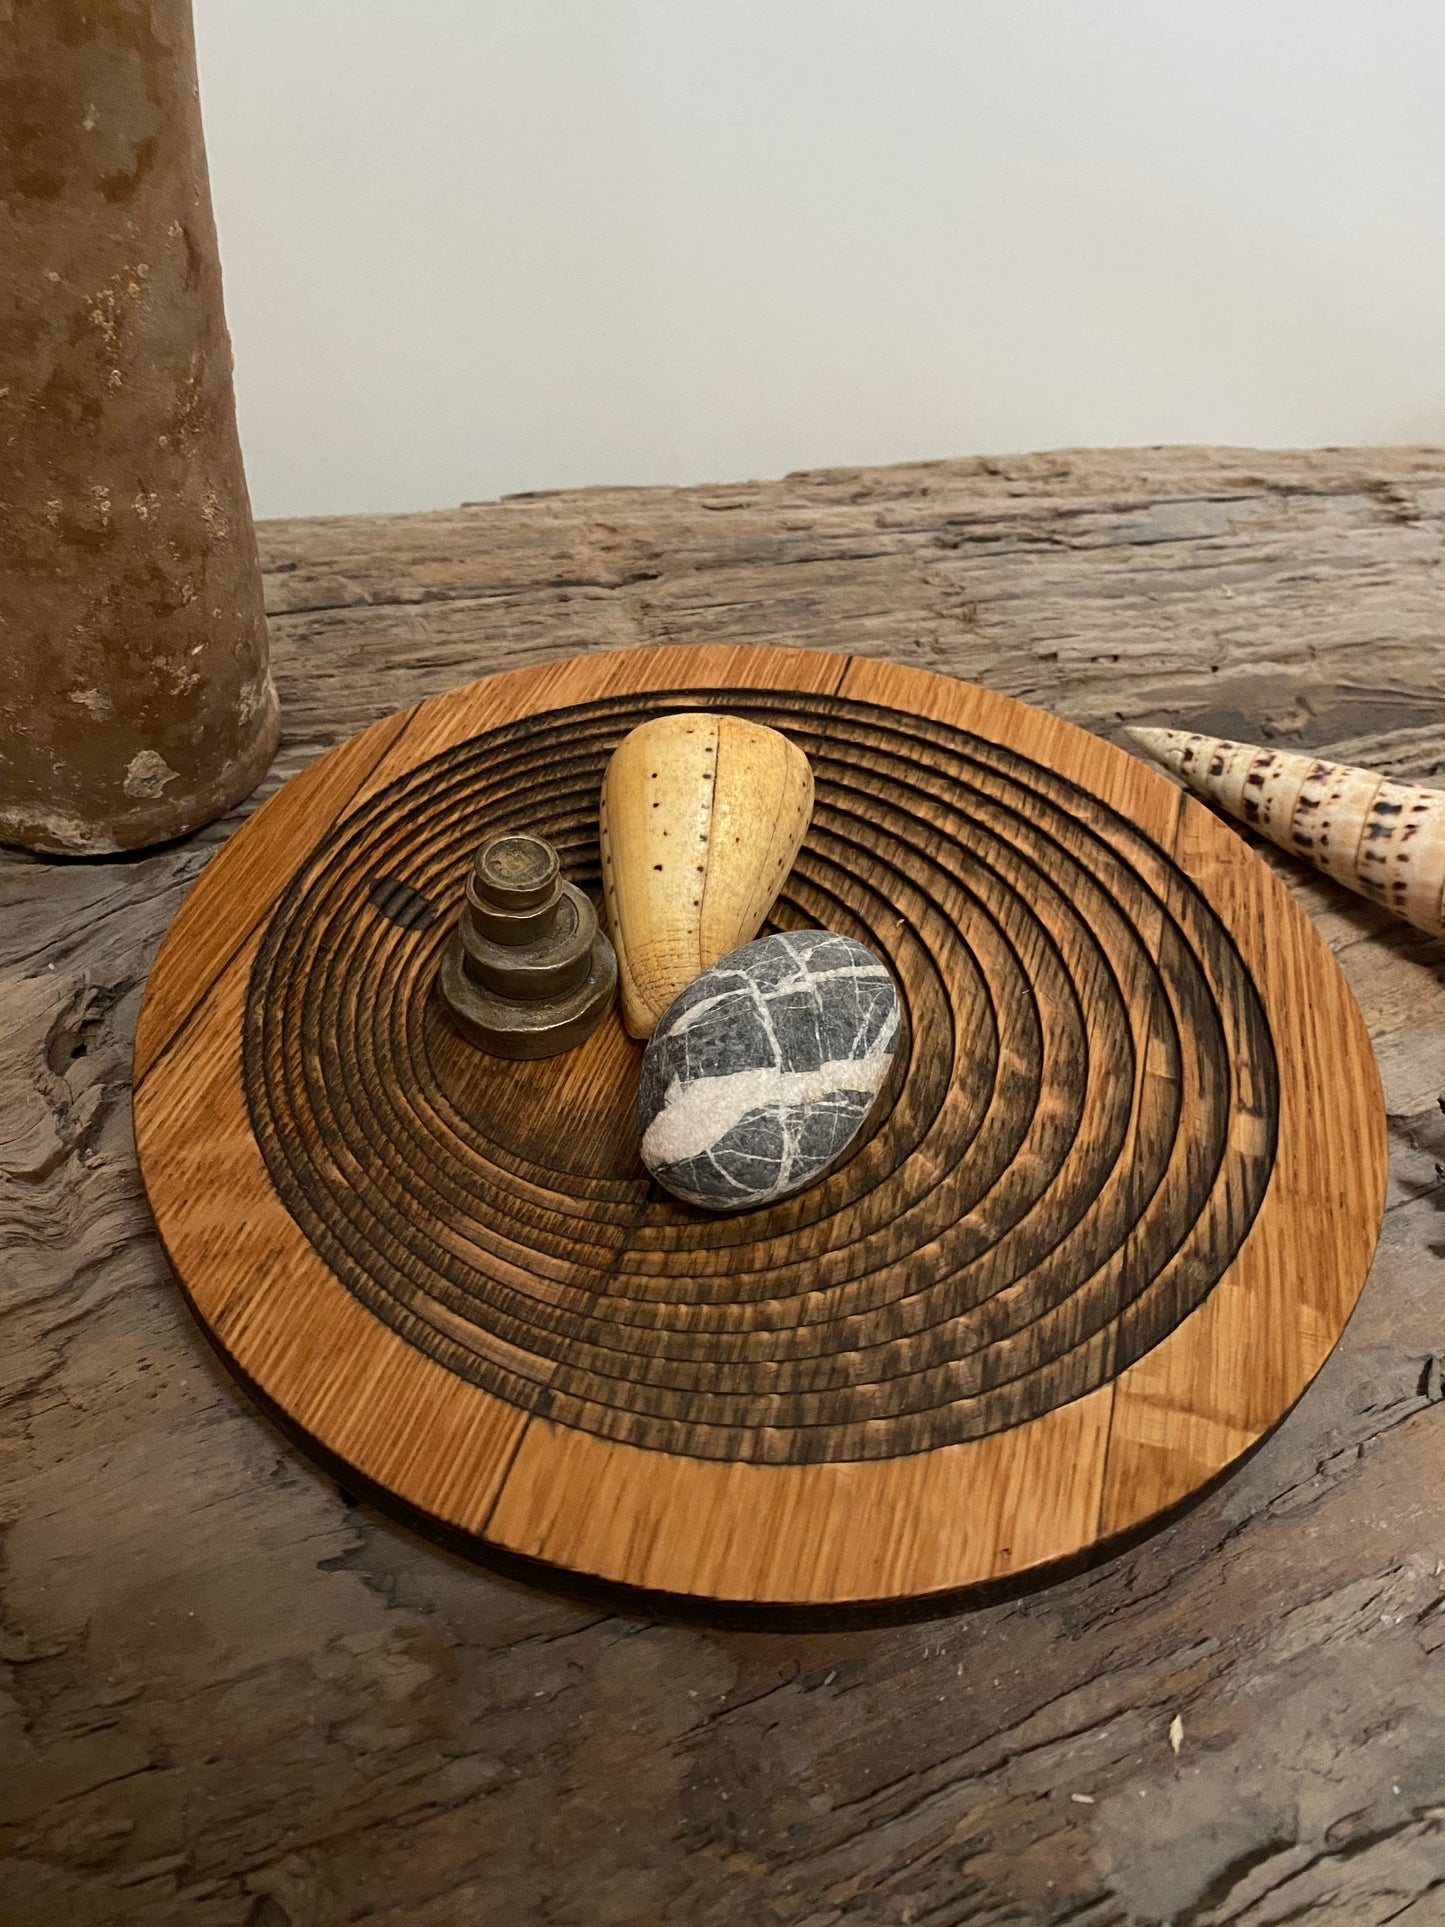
(237, 1699)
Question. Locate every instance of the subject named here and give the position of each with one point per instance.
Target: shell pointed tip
(1162, 745)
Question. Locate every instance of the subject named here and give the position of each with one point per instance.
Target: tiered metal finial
(528, 972)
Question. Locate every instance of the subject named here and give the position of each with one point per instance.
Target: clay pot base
(1109, 1226)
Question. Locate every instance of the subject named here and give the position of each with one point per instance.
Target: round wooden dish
(1099, 1238)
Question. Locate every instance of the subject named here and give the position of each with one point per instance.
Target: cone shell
(1373, 833)
(701, 818)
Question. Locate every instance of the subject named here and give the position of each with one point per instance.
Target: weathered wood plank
(235, 1699)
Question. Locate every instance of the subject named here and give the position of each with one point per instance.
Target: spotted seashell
(1377, 835)
(701, 818)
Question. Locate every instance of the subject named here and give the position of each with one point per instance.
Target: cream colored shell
(701, 818)
(1378, 835)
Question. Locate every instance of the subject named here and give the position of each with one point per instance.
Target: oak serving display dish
(1100, 1233)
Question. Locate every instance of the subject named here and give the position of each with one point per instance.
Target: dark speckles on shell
(761, 1074)
(1377, 834)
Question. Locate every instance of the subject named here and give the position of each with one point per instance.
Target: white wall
(475, 246)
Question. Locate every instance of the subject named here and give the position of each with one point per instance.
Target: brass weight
(528, 972)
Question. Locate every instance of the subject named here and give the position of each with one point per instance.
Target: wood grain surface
(1137, 1093)
(237, 1699)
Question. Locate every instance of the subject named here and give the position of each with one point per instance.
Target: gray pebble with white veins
(761, 1074)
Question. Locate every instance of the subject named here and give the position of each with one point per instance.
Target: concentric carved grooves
(1083, 1137)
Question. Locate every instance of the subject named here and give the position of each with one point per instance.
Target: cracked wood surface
(236, 1699)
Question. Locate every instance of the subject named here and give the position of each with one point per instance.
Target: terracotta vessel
(701, 818)
(1377, 835)
(135, 700)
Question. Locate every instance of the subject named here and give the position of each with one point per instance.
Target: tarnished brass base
(528, 972)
